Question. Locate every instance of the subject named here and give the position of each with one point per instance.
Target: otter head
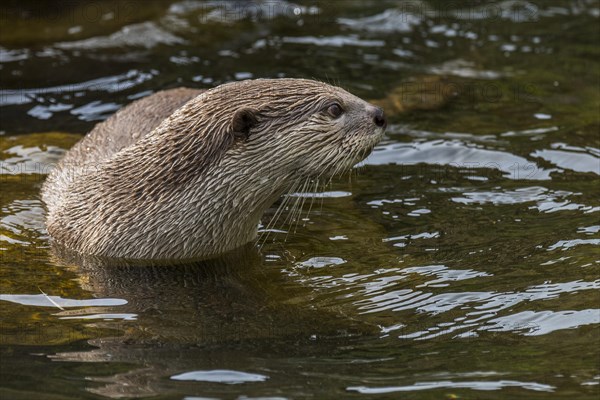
(298, 128)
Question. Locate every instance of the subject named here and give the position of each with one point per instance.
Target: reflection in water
(459, 155)
(386, 290)
(30, 160)
(567, 244)
(108, 84)
(580, 162)
(22, 216)
(146, 34)
(391, 20)
(546, 200)
(223, 299)
(544, 322)
(223, 376)
(42, 300)
(207, 305)
(475, 385)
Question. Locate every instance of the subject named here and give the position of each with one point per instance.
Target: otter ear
(243, 120)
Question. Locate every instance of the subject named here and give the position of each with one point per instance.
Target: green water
(461, 261)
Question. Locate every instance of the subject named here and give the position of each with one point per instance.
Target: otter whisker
(339, 167)
(312, 199)
(267, 231)
(299, 196)
(277, 215)
(292, 211)
(308, 186)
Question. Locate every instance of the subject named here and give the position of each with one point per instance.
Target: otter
(186, 174)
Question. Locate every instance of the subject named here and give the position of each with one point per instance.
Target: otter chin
(187, 174)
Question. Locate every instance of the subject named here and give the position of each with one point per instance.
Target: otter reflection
(232, 309)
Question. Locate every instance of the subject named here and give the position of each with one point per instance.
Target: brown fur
(183, 174)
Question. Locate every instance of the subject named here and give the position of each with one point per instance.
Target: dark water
(461, 261)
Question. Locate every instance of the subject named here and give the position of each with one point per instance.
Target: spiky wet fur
(188, 187)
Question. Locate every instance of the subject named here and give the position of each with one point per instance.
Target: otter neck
(226, 204)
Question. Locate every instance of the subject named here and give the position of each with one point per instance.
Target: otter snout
(378, 116)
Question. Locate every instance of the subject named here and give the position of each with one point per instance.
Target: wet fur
(185, 174)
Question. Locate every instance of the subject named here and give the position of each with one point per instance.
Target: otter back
(125, 127)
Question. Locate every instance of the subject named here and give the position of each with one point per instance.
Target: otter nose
(379, 117)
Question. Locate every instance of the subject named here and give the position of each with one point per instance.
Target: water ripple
(391, 20)
(542, 322)
(488, 301)
(42, 300)
(567, 244)
(108, 84)
(145, 34)
(221, 376)
(334, 41)
(570, 157)
(547, 201)
(22, 215)
(455, 153)
(29, 160)
(475, 385)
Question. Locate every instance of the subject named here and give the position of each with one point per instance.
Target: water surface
(461, 260)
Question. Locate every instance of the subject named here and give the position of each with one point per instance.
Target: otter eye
(335, 110)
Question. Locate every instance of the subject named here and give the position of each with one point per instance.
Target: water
(460, 261)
